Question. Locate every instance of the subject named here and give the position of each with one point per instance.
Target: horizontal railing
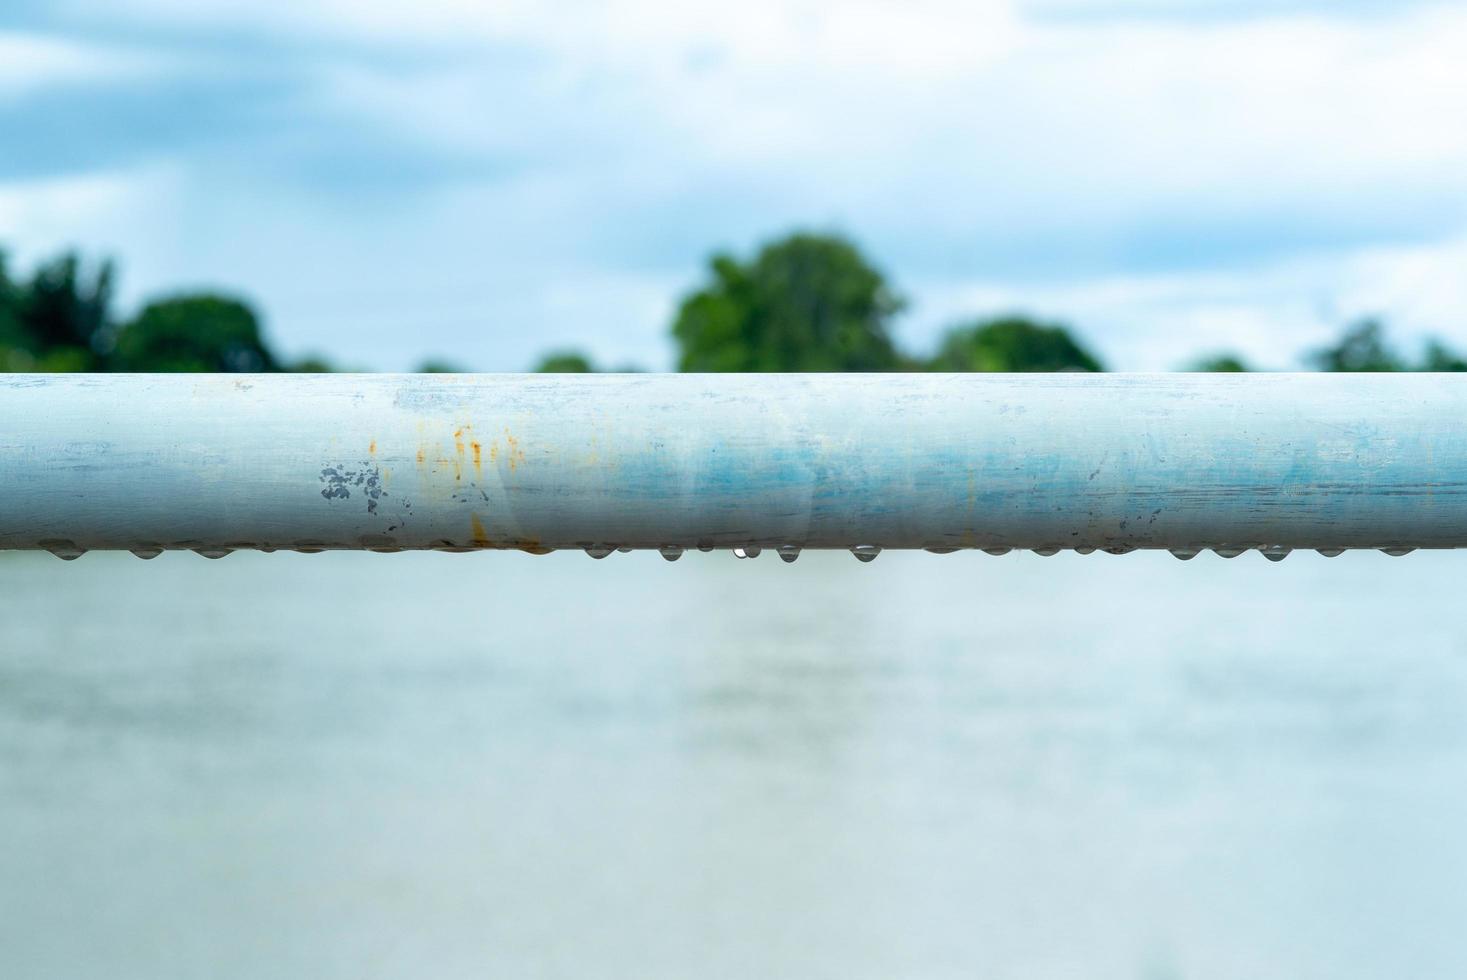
(1115, 462)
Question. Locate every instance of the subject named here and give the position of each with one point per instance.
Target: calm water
(496, 765)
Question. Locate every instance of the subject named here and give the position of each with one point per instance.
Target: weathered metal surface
(780, 462)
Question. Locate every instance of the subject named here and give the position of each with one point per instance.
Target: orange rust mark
(458, 446)
(514, 455)
(478, 454)
(481, 537)
(422, 457)
(372, 449)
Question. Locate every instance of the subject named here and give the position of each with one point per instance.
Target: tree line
(61, 318)
(804, 302)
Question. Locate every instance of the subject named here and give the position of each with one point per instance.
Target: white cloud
(32, 62)
(958, 115)
(958, 120)
(99, 209)
(916, 37)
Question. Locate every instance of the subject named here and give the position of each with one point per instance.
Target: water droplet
(747, 552)
(939, 551)
(1185, 554)
(1084, 551)
(866, 552)
(1120, 549)
(1397, 552)
(65, 550)
(624, 550)
(1331, 552)
(670, 552)
(147, 554)
(599, 550)
(213, 552)
(997, 551)
(1045, 552)
(1228, 552)
(1274, 553)
(704, 547)
(788, 552)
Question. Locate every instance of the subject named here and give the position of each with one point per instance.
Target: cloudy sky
(483, 181)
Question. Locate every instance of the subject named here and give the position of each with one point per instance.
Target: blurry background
(351, 765)
(479, 184)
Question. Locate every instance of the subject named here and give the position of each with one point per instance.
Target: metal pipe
(781, 462)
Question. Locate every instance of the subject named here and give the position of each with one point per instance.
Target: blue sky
(483, 182)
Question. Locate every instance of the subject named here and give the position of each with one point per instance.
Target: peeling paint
(367, 479)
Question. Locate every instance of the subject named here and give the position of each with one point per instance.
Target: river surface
(495, 765)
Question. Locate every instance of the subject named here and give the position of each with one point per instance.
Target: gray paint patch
(340, 480)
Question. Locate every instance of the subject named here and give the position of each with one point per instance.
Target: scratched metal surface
(1185, 462)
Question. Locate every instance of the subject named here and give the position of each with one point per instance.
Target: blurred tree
(193, 333)
(1362, 348)
(805, 303)
(12, 331)
(63, 316)
(565, 362)
(1218, 364)
(311, 364)
(434, 365)
(1012, 344)
(1440, 357)
(15, 354)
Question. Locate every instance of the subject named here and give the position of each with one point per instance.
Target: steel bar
(781, 462)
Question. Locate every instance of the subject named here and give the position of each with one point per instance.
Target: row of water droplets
(787, 552)
(868, 552)
(67, 551)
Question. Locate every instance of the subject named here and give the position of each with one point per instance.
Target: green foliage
(311, 364)
(565, 362)
(1219, 364)
(16, 359)
(64, 308)
(65, 360)
(13, 335)
(1012, 344)
(1362, 348)
(1439, 357)
(805, 303)
(193, 333)
(438, 366)
(60, 320)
